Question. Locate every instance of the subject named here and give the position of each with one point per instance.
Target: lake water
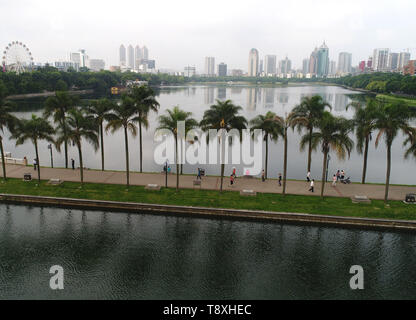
(138, 256)
(254, 100)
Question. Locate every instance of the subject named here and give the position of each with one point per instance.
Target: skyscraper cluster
(269, 66)
(135, 59)
(384, 60)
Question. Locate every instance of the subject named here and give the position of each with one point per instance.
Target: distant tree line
(50, 79)
(380, 82)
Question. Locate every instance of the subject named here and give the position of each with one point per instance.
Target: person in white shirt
(308, 177)
(312, 189)
(334, 180)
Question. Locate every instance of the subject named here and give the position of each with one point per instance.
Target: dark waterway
(128, 256)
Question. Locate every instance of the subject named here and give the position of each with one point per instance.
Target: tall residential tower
(253, 63)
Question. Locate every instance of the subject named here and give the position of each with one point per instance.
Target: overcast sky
(182, 32)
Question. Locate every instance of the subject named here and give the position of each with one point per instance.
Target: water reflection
(137, 256)
(209, 95)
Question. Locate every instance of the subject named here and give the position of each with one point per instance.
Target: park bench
(152, 187)
(360, 199)
(248, 193)
(55, 182)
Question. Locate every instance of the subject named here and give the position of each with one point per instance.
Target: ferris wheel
(17, 58)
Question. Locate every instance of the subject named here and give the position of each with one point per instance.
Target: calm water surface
(255, 101)
(127, 256)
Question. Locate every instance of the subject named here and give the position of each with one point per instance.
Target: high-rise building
(285, 66)
(210, 66)
(332, 70)
(370, 63)
(122, 55)
(361, 66)
(392, 61)
(97, 64)
(253, 63)
(145, 53)
(270, 65)
(137, 57)
(323, 61)
(261, 67)
(305, 66)
(403, 60)
(313, 62)
(80, 58)
(222, 70)
(344, 63)
(130, 57)
(380, 59)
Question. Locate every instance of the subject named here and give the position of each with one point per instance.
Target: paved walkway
(213, 183)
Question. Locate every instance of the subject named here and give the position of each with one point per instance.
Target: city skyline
(295, 29)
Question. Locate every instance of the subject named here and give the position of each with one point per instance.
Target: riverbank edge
(235, 214)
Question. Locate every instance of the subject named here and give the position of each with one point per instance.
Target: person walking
(312, 188)
(263, 176)
(34, 164)
(73, 163)
(334, 180)
(308, 176)
(198, 177)
(338, 175)
(280, 179)
(231, 180)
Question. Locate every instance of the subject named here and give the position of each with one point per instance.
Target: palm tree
(411, 151)
(100, 109)
(170, 122)
(57, 107)
(392, 118)
(81, 125)
(35, 129)
(333, 133)
(123, 116)
(6, 121)
(144, 102)
(266, 123)
(307, 115)
(282, 126)
(364, 121)
(223, 115)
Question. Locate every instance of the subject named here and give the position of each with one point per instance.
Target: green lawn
(207, 198)
(389, 98)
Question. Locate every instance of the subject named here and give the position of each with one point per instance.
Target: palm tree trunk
(285, 164)
(126, 142)
(222, 162)
(141, 148)
(324, 173)
(65, 145)
(37, 159)
(81, 166)
(3, 160)
(310, 150)
(267, 155)
(102, 145)
(386, 195)
(367, 141)
(222, 175)
(177, 164)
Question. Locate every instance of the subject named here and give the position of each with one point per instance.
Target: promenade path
(212, 183)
